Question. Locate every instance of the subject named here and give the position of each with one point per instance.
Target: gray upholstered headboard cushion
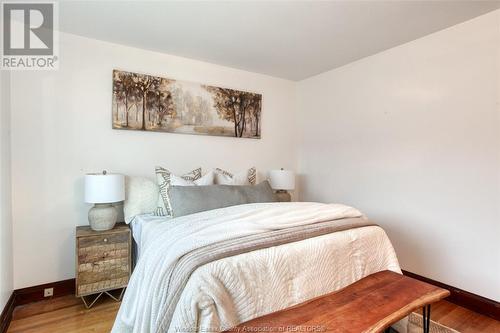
(193, 199)
(141, 197)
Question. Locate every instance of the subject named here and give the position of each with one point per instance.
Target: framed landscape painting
(151, 103)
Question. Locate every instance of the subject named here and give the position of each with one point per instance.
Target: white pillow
(141, 197)
(166, 179)
(247, 177)
(208, 179)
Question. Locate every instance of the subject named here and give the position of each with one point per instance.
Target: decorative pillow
(141, 197)
(166, 179)
(207, 179)
(223, 177)
(193, 199)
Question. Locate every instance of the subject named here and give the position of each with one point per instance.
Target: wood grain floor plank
(462, 319)
(68, 315)
(29, 310)
(64, 315)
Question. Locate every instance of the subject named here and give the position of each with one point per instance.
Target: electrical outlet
(48, 292)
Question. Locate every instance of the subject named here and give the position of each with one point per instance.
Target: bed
(167, 292)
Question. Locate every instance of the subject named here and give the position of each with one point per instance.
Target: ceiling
(291, 40)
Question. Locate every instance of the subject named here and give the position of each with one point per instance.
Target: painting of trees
(151, 103)
(123, 92)
(238, 107)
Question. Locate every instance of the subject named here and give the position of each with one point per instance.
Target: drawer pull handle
(105, 240)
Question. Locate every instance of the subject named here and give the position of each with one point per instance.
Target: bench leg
(426, 317)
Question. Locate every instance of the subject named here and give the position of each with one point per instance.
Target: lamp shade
(104, 188)
(282, 179)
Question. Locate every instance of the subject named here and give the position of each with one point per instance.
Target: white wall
(61, 129)
(411, 136)
(6, 270)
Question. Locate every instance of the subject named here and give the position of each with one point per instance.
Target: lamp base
(102, 217)
(283, 196)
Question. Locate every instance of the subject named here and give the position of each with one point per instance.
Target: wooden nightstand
(282, 196)
(103, 261)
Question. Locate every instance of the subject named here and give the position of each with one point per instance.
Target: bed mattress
(229, 291)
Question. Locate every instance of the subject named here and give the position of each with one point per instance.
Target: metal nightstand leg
(117, 299)
(88, 306)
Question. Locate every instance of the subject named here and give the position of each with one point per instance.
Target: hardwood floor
(68, 315)
(462, 319)
(64, 315)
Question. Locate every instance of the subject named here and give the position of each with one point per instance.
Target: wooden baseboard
(476, 303)
(33, 294)
(6, 315)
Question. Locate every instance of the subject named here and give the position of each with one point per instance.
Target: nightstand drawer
(107, 274)
(96, 253)
(96, 287)
(103, 240)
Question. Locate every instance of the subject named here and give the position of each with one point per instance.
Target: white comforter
(229, 291)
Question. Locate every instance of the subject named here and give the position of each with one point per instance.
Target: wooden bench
(371, 304)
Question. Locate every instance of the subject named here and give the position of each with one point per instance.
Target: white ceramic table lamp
(282, 181)
(103, 189)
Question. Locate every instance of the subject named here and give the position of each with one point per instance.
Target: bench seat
(371, 304)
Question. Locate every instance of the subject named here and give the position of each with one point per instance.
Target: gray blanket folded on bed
(188, 263)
